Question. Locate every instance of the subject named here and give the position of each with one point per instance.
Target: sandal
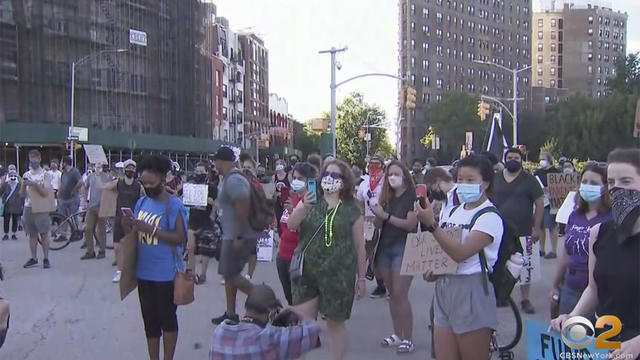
(391, 341)
(406, 347)
(202, 279)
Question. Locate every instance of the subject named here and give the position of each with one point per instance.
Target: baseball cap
(129, 162)
(225, 153)
(262, 299)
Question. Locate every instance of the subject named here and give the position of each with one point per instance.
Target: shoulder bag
(184, 281)
(297, 261)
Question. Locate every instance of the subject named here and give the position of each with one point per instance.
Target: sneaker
(88, 256)
(406, 347)
(379, 292)
(114, 263)
(14, 237)
(551, 255)
(60, 238)
(247, 276)
(220, 319)
(5, 237)
(369, 276)
(46, 264)
(527, 307)
(30, 263)
(101, 255)
(116, 277)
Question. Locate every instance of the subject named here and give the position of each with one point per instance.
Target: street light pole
(75, 64)
(333, 86)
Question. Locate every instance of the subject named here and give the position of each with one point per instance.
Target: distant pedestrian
(549, 223)
(68, 200)
(94, 223)
(12, 204)
(160, 222)
(36, 225)
(55, 177)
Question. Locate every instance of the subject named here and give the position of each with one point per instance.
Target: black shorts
(158, 309)
(118, 231)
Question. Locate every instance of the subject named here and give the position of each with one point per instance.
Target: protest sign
(542, 344)
(95, 153)
(422, 253)
(569, 204)
(195, 194)
(560, 185)
(265, 246)
(41, 204)
(531, 267)
(108, 203)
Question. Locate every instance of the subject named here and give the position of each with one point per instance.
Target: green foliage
(351, 115)
(551, 146)
(429, 137)
(307, 140)
(450, 120)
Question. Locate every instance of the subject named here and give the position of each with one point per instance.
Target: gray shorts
(232, 261)
(35, 223)
(461, 304)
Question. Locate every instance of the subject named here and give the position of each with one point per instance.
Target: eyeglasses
(334, 175)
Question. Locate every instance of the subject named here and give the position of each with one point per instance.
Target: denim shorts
(390, 256)
(549, 218)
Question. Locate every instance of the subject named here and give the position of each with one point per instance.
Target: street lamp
(75, 64)
(514, 73)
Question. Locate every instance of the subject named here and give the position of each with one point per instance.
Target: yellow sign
(577, 332)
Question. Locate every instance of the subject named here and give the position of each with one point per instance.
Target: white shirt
(363, 195)
(55, 179)
(36, 177)
(448, 205)
(489, 223)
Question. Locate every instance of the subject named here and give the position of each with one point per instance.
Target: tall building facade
(256, 90)
(577, 47)
(440, 44)
(281, 122)
(143, 78)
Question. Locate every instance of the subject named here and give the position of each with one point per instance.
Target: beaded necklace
(328, 225)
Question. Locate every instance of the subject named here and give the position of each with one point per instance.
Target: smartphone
(421, 194)
(127, 212)
(284, 194)
(312, 188)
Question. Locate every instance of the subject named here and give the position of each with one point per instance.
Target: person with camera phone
(265, 332)
(11, 203)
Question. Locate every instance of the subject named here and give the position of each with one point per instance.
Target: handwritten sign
(41, 204)
(95, 153)
(568, 206)
(560, 185)
(544, 345)
(195, 194)
(265, 246)
(531, 267)
(108, 202)
(422, 253)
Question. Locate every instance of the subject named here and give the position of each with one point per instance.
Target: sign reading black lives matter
(423, 253)
(560, 185)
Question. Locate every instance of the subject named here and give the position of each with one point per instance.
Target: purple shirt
(576, 244)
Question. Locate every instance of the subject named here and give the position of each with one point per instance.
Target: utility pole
(333, 86)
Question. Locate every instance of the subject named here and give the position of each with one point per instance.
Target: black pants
(285, 279)
(158, 309)
(14, 222)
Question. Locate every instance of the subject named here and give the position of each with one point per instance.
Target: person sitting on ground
(263, 333)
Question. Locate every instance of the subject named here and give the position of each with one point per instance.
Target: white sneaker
(116, 277)
(247, 276)
(222, 282)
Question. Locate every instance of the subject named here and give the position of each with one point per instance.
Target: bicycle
(504, 338)
(66, 230)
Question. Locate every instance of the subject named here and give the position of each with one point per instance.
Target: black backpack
(260, 208)
(502, 280)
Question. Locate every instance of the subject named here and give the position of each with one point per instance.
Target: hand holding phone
(421, 194)
(312, 189)
(127, 212)
(284, 194)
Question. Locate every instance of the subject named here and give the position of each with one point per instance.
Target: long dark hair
(605, 203)
(346, 193)
(387, 191)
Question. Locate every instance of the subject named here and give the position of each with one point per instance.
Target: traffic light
(411, 98)
(483, 110)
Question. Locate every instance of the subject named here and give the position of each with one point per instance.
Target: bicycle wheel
(509, 330)
(62, 230)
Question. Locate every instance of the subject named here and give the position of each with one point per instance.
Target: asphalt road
(73, 311)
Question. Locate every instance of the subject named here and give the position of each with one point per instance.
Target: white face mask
(331, 185)
(544, 163)
(395, 181)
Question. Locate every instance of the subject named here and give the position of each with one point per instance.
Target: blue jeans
(390, 257)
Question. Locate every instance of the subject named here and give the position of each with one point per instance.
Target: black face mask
(130, 174)
(438, 195)
(154, 192)
(513, 166)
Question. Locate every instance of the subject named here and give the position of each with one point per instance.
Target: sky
(295, 30)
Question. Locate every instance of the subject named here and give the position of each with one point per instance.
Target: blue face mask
(590, 193)
(297, 185)
(469, 193)
(35, 165)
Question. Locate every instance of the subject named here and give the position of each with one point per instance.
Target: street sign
(78, 133)
(137, 37)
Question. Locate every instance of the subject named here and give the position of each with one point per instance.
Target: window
(425, 13)
(553, 22)
(553, 71)
(590, 69)
(224, 90)
(439, 83)
(590, 57)
(425, 47)
(590, 19)
(552, 83)
(540, 22)
(540, 82)
(413, 62)
(425, 29)
(413, 27)
(539, 46)
(425, 81)
(590, 32)
(540, 35)
(224, 113)
(540, 59)
(553, 47)
(425, 64)
(590, 43)
(553, 35)
(539, 70)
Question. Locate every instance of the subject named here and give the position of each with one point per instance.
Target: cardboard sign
(265, 246)
(127, 258)
(422, 253)
(560, 185)
(95, 153)
(108, 203)
(548, 345)
(195, 194)
(41, 204)
(531, 268)
(568, 206)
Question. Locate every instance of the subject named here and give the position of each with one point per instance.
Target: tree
(627, 75)
(307, 140)
(450, 120)
(351, 116)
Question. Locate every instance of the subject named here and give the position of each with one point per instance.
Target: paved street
(72, 311)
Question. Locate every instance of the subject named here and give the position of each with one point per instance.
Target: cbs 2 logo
(574, 332)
